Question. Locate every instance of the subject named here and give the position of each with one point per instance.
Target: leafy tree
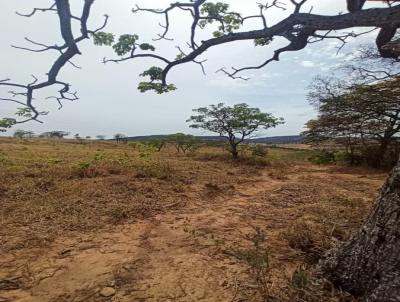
(357, 114)
(77, 136)
(329, 129)
(366, 265)
(100, 137)
(119, 137)
(183, 142)
(23, 134)
(158, 144)
(234, 123)
(259, 150)
(54, 134)
(19, 133)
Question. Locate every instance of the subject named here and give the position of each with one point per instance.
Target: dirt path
(175, 256)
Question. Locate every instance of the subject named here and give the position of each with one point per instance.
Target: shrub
(155, 169)
(373, 156)
(95, 168)
(256, 161)
(300, 278)
(99, 156)
(145, 150)
(258, 259)
(81, 168)
(157, 144)
(184, 142)
(323, 157)
(259, 150)
(348, 158)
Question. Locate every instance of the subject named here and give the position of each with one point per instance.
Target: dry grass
(66, 189)
(81, 186)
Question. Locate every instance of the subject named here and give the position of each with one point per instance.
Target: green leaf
(103, 38)
(218, 12)
(6, 123)
(262, 42)
(155, 73)
(125, 44)
(218, 34)
(157, 87)
(214, 9)
(24, 112)
(179, 56)
(147, 46)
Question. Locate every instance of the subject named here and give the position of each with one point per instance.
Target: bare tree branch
(299, 28)
(67, 51)
(35, 10)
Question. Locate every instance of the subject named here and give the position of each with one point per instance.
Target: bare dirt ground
(182, 249)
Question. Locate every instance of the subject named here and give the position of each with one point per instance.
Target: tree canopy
(356, 115)
(19, 133)
(183, 142)
(234, 123)
(119, 137)
(54, 134)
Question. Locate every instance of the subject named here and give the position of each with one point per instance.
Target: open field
(95, 221)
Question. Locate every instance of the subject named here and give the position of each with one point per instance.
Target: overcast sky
(109, 101)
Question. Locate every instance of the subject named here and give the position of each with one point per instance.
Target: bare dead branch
(363, 18)
(200, 63)
(13, 100)
(35, 10)
(67, 51)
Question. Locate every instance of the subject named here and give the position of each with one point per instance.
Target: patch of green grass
(300, 278)
(55, 161)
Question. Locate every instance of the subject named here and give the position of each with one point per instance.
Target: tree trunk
(368, 265)
(381, 152)
(234, 151)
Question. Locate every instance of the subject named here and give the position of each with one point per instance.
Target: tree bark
(368, 265)
(233, 150)
(380, 156)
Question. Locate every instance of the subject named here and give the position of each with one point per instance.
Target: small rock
(66, 251)
(107, 292)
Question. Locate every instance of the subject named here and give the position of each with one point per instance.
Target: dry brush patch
(329, 210)
(307, 213)
(53, 186)
(56, 189)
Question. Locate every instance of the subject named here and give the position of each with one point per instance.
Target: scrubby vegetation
(256, 227)
(358, 114)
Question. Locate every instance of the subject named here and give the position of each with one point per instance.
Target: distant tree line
(19, 133)
(182, 143)
(234, 124)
